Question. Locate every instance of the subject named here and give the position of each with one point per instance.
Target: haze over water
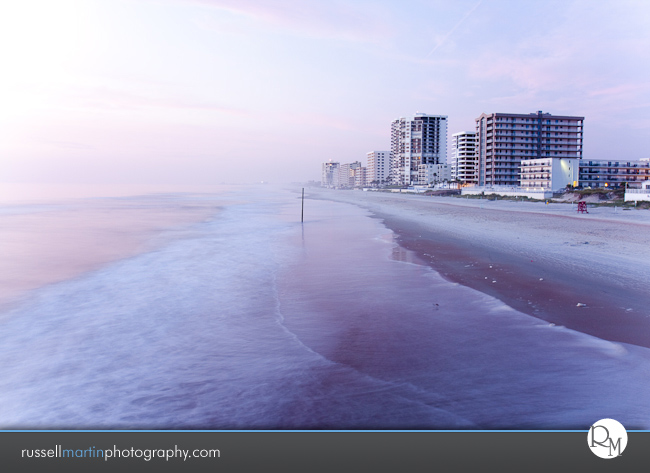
(248, 319)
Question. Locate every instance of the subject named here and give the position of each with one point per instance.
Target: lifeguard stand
(582, 207)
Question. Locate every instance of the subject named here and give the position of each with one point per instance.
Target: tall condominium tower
(330, 174)
(506, 139)
(464, 157)
(377, 167)
(420, 139)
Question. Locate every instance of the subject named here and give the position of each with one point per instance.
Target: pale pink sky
(208, 91)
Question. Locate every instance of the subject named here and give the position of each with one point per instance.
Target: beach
(588, 272)
(225, 311)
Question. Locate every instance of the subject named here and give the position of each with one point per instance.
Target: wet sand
(49, 243)
(540, 260)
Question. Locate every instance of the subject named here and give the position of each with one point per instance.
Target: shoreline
(547, 280)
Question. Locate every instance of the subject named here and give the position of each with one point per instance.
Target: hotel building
(506, 139)
(416, 140)
(464, 157)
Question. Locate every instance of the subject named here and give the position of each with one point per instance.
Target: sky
(208, 91)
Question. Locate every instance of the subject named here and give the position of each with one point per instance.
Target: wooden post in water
(302, 210)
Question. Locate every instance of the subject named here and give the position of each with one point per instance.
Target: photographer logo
(607, 438)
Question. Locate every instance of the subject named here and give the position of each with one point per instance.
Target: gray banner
(312, 451)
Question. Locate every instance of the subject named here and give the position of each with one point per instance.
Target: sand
(588, 272)
(48, 243)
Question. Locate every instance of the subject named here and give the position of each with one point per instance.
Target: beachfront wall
(541, 194)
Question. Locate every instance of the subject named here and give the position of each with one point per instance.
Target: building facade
(612, 173)
(551, 174)
(350, 175)
(506, 139)
(432, 174)
(464, 157)
(361, 177)
(330, 174)
(416, 140)
(635, 195)
(377, 168)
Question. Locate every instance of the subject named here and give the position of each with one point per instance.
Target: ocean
(250, 319)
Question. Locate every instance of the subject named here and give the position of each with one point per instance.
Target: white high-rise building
(377, 169)
(464, 157)
(420, 139)
(330, 174)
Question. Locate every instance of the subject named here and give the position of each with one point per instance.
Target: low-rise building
(614, 173)
(635, 195)
(432, 174)
(549, 173)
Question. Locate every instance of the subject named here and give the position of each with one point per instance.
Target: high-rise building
(377, 169)
(506, 139)
(350, 174)
(360, 177)
(330, 174)
(464, 157)
(416, 140)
